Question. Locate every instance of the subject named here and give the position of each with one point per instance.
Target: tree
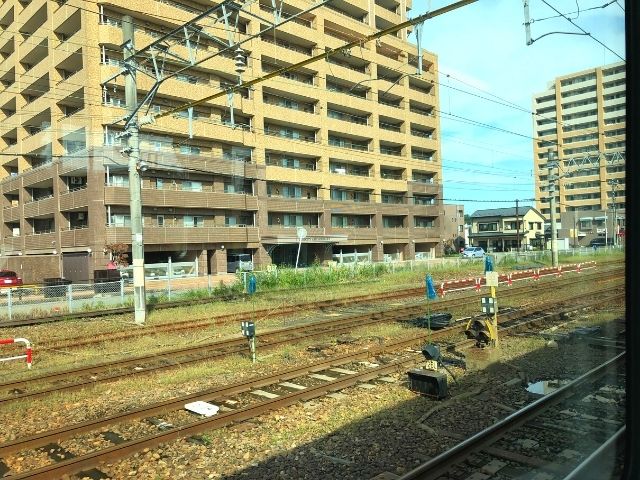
(118, 253)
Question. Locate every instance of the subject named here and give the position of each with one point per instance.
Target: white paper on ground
(202, 408)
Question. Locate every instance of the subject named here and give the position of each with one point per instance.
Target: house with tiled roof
(507, 229)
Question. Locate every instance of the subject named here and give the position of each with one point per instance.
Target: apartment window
(159, 183)
(119, 180)
(191, 186)
(120, 220)
(189, 150)
(160, 220)
(193, 221)
(423, 222)
(488, 227)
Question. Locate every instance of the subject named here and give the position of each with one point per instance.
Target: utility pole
(517, 229)
(552, 204)
(133, 149)
(614, 187)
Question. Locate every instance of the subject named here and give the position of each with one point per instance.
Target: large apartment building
(580, 119)
(347, 147)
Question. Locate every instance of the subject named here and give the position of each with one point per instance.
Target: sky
(482, 52)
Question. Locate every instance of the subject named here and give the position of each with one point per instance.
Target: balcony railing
(291, 135)
(345, 144)
(347, 117)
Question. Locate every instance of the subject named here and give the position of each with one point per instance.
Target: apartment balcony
(185, 235)
(183, 199)
(5, 7)
(426, 234)
(67, 52)
(422, 117)
(13, 244)
(12, 185)
(388, 109)
(579, 85)
(201, 128)
(33, 50)
(203, 163)
(395, 233)
(41, 241)
(29, 11)
(547, 104)
(71, 84)
(298, 117)
(350, 207)
(393, 136)
(38, 175)
(388, 15)
(286, 52)
(349, 128)
(425, 188)
(335, 43)
(12, 214)
(295, 205)
(352, 75)
(40, 139)
(74, 199)
(357, 233)
(393, 208)
(63, 12)
(424, 210)
(353, 16)
(349, 101)
(40, 208)
(77, 237)
(38, 105)
(579, 109)
(306, 145)
(299, 28)
(271, 231)
(615, 89)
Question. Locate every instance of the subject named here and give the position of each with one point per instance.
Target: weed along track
(21, 390)
(88, 445)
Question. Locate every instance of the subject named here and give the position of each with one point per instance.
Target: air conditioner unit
(80, 215)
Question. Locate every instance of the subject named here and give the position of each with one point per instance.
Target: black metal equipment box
(427, 382)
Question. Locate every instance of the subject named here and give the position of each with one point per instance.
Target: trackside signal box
(427, 382)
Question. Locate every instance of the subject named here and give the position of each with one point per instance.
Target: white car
(472, 252)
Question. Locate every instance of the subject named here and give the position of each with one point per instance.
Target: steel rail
(441, 464)
(227, 347)
(262, 314)
(221, 392)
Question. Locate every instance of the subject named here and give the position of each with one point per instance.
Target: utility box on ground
(428, 382)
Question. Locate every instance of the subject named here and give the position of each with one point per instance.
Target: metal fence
(40, 301)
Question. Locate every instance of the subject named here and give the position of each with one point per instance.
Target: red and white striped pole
(442, 289)
(28, 352)
(477, 284)
(509, 281)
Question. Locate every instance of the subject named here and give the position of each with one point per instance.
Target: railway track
(590, 407)
(282, 311)
(21, 390)
(168, 421)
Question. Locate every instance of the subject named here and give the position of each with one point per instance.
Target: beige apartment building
(581, 119)
(347, 147)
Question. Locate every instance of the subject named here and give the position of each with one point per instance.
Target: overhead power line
(580, 28)
(315, 58)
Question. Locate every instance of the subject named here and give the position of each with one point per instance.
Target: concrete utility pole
(517, 228)
(614, 187)
(133, 149)
(552, 205)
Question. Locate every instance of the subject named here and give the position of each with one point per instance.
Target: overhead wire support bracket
(324, 55)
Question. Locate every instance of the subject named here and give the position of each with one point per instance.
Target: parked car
(600, 242)
(472, 252)
(9, 279)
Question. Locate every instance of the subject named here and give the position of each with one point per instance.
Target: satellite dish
(301, 232)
